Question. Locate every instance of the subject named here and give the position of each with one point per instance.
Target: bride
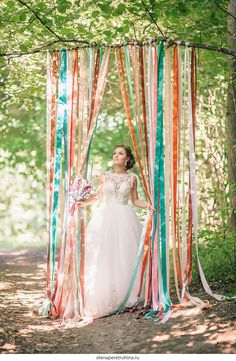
(112, 239)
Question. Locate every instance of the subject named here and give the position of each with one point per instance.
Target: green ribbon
(61, 120)
(159, 189)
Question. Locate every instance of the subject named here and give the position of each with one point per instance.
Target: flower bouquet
(81, 191)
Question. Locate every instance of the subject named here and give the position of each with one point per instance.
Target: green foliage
(217, 253)
(22, 208)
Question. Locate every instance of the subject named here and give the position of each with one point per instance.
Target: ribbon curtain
(76, 82)
(159, 96)
(163, 125)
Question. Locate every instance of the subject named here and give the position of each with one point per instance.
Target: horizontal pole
(87, 44)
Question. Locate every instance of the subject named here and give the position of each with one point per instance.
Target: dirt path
(22, 282)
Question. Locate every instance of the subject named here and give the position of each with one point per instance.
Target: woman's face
(119, 156)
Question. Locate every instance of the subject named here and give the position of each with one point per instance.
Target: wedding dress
(111, 244)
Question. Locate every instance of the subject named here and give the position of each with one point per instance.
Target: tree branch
(85, 44)
(152, 18)
(222, 9)
(146, 27)
(40, 20)
(203, 46)
(134, 29)
(16, 54)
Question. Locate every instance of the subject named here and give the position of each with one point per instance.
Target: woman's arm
(134, 196)
(99, 193)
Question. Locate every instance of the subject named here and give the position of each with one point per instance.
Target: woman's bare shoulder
(134, 181)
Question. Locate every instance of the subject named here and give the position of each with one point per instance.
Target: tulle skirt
(111, 244)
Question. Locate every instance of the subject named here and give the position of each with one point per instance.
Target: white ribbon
(193, 184)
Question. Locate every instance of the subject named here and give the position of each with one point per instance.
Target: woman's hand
(81, 204)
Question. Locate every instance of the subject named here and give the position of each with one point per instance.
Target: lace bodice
(116, 187)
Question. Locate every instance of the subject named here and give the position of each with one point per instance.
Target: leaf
(22, 17)
(95, 13)
(23, 47)
(41, 6)
(120, 29)
(63, 6)
(104, 7)
(107, 32)
(59, 19)
(80, 28)
(11, 5)
(2, 61)
(48, 22)
(121, 8)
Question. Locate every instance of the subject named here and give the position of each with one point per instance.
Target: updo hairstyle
(131, 161)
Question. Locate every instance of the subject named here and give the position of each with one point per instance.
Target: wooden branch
(225, 11)
(203, 46)
(40, 20)
(153, 19)
(85, 44)
(42, 47)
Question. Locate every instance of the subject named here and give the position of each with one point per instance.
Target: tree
(231, 114)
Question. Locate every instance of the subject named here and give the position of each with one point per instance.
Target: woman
(112, 239)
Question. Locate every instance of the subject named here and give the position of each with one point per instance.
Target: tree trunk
(231, 110)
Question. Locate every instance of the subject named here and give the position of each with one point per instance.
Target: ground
(22, 283)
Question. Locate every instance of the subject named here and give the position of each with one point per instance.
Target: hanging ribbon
(142, 75)
(159, 197)
(62, 113)
(175, 168)
(192, 108)
(127, 108)
(168, 148)
(133, 56)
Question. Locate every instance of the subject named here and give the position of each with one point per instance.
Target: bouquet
(82, 190)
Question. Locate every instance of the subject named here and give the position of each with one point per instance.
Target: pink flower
(82, 190)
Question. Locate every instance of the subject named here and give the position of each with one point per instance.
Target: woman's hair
(131, 161)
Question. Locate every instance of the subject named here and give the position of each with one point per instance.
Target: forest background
(29, 26)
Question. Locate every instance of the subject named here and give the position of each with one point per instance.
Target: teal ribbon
(159, 189)
(61, 121)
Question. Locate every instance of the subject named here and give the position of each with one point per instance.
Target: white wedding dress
(111, 244)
